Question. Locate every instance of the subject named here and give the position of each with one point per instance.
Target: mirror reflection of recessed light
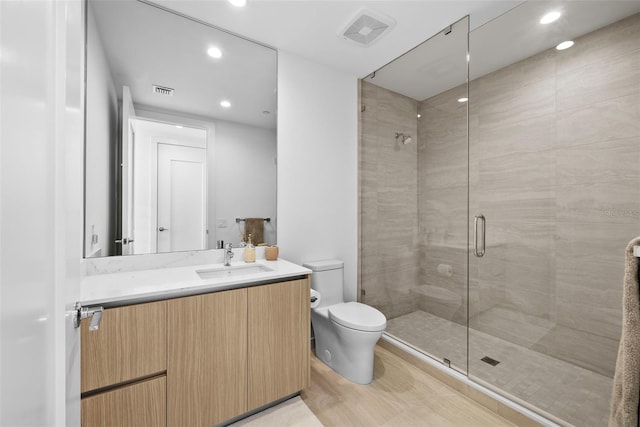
(550, 17)
(225, 104)
(178, 127)
(564, 45)
(463, 99)
(238, 3)
(214, 52)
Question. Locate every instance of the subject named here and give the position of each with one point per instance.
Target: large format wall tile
(554, 150)
(549, 152)
(607, 120)
(599, 81)
(388, 201)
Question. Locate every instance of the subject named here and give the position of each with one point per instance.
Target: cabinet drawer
(141, 404)
(131, 343)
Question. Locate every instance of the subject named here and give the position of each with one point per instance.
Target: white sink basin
(232, 271)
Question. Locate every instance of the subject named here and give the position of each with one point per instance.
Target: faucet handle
(228, 246)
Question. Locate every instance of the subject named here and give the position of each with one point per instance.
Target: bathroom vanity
(205, 347)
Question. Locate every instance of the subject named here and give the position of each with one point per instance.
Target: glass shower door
(554, 159)
(414, 191)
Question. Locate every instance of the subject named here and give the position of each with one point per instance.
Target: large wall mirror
(180, 144)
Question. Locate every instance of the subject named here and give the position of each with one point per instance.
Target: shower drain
(490, 361)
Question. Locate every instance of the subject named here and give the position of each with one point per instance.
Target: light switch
(222, 223)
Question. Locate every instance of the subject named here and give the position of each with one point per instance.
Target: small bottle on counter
(249, 251)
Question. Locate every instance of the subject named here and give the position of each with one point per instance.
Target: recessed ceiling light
(419, 116)
(179, 126)
(214, 52)
(564, 45)
(238, 3)
(225, 104)
(463, 99)
(550, 17)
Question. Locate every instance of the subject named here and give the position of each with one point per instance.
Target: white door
(128, 137)
(181, 222)
(40, 211)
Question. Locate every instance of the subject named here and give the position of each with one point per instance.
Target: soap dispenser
(249, 251)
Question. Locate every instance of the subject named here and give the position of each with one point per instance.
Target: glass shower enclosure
(499, 186)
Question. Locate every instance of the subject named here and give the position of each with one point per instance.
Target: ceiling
(312, 28)
(501, 34)
(440, 63)
(146, 46)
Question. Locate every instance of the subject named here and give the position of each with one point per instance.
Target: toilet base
(348, 352)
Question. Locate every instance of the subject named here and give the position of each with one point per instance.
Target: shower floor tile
(569, 392)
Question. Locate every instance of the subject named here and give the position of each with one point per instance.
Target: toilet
(345, 332)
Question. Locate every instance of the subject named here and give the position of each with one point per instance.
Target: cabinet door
(131, 343)
(207, 358)
(278, 341)
(141, 404)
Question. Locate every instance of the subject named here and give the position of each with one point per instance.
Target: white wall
(40, 211)
(318, 165)
(245, 168)
(101, 139)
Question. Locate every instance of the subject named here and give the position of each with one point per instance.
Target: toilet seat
(358, 316)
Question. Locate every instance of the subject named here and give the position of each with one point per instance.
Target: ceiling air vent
(367, 27)
(161, 90)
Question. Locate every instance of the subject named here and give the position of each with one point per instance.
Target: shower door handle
(479, 219)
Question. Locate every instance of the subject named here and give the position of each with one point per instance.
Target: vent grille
(367, 27)
(161, 90)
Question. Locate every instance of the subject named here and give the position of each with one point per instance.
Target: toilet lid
(358, 316)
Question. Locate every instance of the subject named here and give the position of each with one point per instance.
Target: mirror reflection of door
(169, 187)
(126, 239)
(181, 223)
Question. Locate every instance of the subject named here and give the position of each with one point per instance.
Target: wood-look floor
(400, 395)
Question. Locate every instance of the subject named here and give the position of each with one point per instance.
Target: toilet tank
(327, 278)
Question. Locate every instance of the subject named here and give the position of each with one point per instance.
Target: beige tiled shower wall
(555, 167)
(389, 195)
(442, 204)
(553, 164)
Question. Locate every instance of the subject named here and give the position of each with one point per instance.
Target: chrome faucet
(228, 254)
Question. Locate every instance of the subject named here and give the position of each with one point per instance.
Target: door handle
(479, 219)
(124, 241)
(163, 229)
(93, 313)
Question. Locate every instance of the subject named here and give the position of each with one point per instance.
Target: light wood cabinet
(278, 340)
(123, 367)
(142, 404)
(207, 358)
(198, 360)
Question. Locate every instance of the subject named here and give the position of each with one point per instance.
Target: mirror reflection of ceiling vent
(161, 90)
(367, 27)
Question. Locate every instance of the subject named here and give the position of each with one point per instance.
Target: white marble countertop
(127, 287)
